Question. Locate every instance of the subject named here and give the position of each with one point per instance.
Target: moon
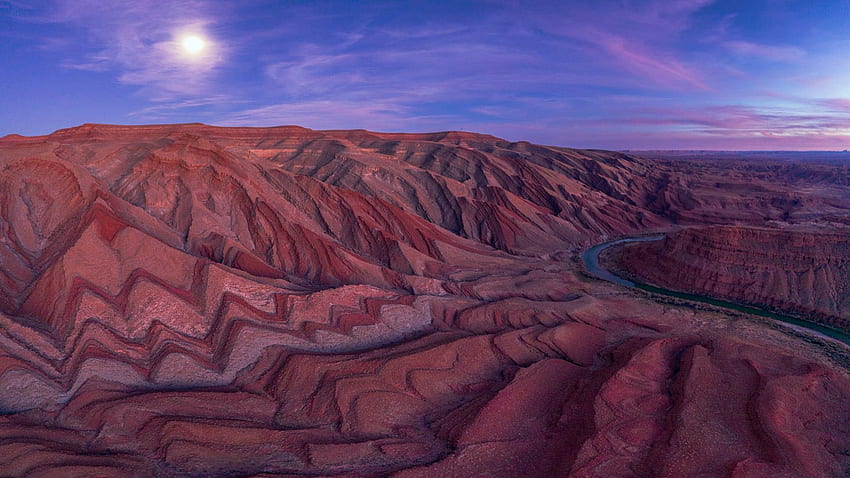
(193, 44)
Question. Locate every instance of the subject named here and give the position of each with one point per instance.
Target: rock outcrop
(805, 272)
(184, 300)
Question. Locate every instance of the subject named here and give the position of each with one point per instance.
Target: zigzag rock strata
(185, 300)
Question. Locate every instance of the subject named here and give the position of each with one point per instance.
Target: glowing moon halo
(193, 44)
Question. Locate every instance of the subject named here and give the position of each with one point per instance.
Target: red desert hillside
(187, 300)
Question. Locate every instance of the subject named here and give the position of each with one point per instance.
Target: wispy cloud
(140, 42)
(660, 68)
(396, 78)
(327, 114)
(386, 79)
(200, 109)
(769, 52)
(836, 104)
(602, 73)
(637, 39)
(807, 124)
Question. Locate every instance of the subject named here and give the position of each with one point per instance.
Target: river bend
(590, 259)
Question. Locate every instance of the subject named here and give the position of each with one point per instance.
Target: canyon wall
(803, 272)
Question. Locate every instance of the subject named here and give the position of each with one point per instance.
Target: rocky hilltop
(185, 300)
(804, 272)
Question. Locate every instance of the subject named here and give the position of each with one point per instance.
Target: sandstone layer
(802, 272)
(184, 300)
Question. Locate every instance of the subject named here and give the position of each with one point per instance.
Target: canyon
(740, 264)
(190, 300)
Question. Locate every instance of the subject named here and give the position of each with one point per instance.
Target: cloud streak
(653, 66)
(139, 40)
(769, 52)
(600, 74)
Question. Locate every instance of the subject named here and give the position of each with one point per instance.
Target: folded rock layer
(186, 300)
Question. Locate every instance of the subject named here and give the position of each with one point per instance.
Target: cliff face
(183, 300)
(807, 273)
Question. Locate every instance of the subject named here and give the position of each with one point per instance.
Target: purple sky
(650, 74)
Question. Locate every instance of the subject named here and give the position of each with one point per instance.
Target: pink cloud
(651, 65)
(837, 104)
(770, 52)
(743, 127)
(641, 41)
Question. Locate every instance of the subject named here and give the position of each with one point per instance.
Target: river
(590, 258)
